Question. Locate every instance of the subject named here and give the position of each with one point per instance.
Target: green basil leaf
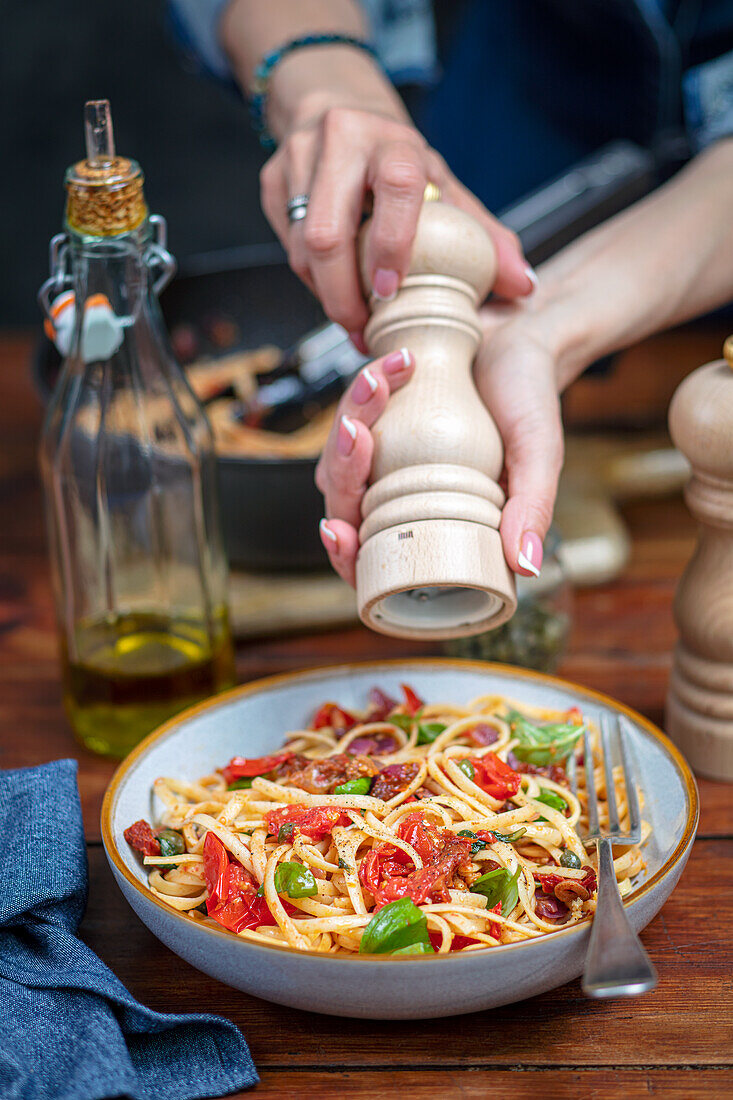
(569, 859)
(415, 949)
(478, 845)
(551, 799)
(405, 722)
(467, 768)
(499, 885)
(510, 837)
(241, 784)
(545, 743)
(295, 880)
(171, 843)
(399, 924)
(285, 833)
(427, 732)
(354, 786)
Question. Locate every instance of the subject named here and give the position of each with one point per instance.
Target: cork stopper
(104, 191)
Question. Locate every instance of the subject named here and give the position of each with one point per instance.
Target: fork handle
(616, 964)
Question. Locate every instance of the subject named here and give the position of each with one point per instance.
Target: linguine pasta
(410, 828)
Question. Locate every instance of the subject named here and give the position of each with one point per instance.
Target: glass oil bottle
(128, 468)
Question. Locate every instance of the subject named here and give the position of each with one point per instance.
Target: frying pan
(271, 507)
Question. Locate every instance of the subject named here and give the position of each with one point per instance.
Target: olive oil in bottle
(128, 469)
(133, 672)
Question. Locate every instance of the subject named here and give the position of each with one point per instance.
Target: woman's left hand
(515, 375)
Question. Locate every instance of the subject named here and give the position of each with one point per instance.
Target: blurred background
(201, 161)
(200, 156)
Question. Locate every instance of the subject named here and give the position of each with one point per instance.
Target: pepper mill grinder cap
(701, 418)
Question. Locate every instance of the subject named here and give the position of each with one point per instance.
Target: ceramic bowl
(251, 720)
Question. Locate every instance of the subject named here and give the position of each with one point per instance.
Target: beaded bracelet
(263, 72)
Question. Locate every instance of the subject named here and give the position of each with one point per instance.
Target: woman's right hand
(338, 157)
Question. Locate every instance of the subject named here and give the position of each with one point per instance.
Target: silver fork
(616, 964)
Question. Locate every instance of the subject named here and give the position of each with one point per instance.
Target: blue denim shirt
(526, 87)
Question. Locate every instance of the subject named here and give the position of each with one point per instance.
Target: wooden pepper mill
(431, 563)
(700, 698)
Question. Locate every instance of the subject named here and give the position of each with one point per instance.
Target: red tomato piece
(494, 776)
(331, 714)
(423, 837)
(413, 702)
(216, 871)
(459, 942)
(232, 900)
(369, 871)
(241, 768)
(494, 927)
(142, 838)
(313, 821)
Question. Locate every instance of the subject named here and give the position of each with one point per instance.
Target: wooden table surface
(676, 1042)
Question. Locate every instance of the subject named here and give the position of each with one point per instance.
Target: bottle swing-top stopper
(431, 563)
(700, 700)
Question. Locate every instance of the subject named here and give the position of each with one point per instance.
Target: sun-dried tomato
(393, 779)
(142, 838)
(241, 768)
(483, 735)
(314, 822)
(555, 772)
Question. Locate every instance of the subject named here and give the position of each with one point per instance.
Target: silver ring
(297, 208)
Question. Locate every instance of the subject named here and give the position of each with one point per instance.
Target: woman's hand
(340, 156)
(515, 374)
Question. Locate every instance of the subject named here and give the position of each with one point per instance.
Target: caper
(171, 842)
(569, 859)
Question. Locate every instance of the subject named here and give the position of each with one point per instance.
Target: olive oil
(131, 672)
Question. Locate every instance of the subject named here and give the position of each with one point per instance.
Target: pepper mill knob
(700, 698)
(431, 563)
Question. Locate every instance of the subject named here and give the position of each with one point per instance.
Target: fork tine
(571, 770)
(632, 795)
(613, 818)
(590, 785)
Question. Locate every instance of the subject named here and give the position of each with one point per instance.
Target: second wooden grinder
(431, 563)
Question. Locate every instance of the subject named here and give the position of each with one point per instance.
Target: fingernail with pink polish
(530, 554)
(385, 284)
(364, 387)
(397, 361)
(346, 437)
(327, 535)
(532, 276)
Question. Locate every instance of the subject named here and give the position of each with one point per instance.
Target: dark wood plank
(521, 1084)
(687, 1020)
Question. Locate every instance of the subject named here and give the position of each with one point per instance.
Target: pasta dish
(409, 828)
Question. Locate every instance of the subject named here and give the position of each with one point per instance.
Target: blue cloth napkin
(69, 1030)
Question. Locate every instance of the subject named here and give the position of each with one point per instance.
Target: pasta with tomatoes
(409, 828)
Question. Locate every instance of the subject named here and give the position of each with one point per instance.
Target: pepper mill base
(436, 578)
(699, 713)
